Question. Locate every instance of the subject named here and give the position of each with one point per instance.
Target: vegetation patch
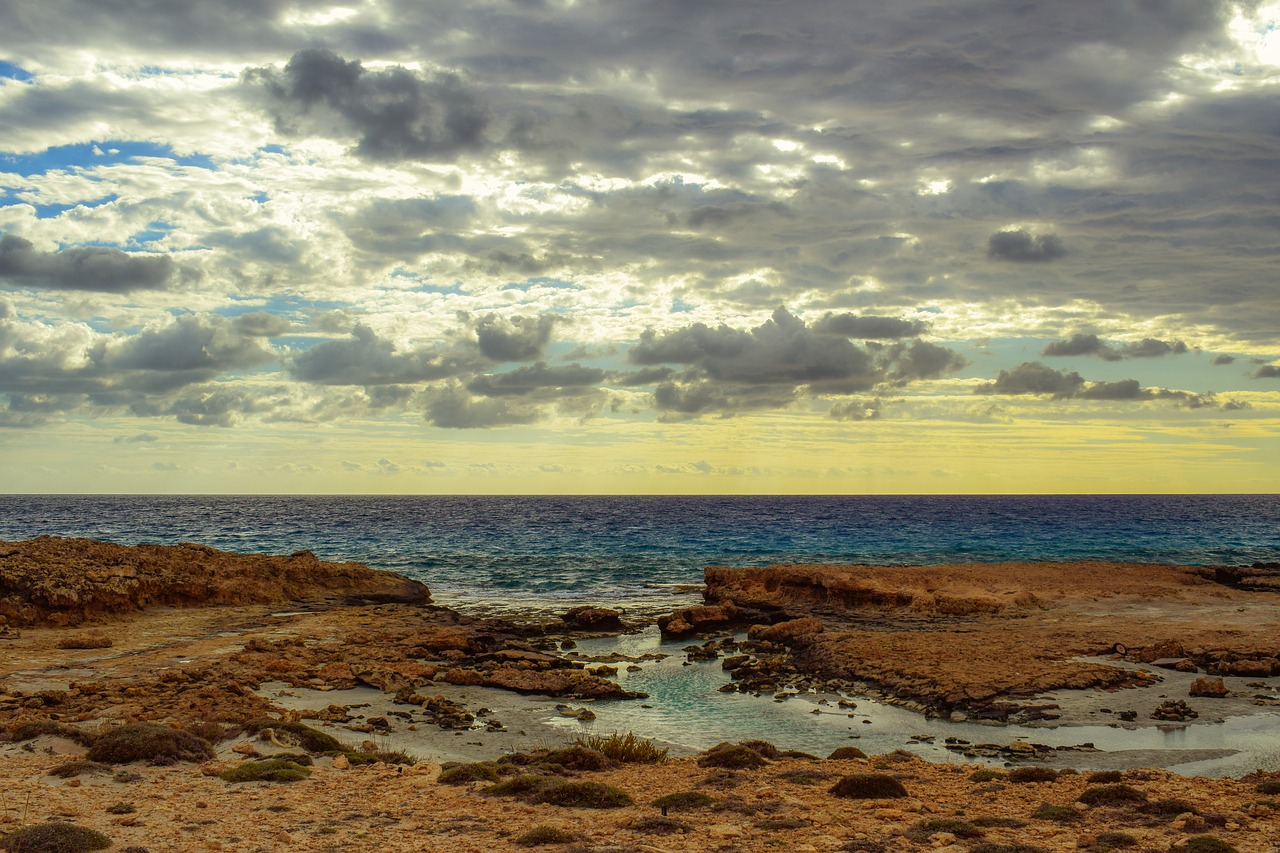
(732, 756)
(1113, 795)
(1112, 840)
(1104, 777)
(625, 748)
(986, 774)
(579, 758)
(121, 808)
(1026, 775)
(54, 837)
(29, 731)
(722, 780)
(1205, 844)
(583, 795)
(684, 801)
(522, 785)
(868, 786)
(1057, 814)
(476, 771)
(71, 769)
(657, 825)
(544, 835)
(150, 742)
(269, 770)
(923, 830)
(1269, 786)
(846, 753)
(304, 736)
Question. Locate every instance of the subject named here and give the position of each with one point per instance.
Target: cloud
(450, 406)
(393, 113)
(538, 380)
(96, 268)
(368, 359)
(514, 338)
(1219, 360)
(1034, 378)
(1023, 247)
(856, 410)
(1088, 344)
(868, 327)
(1267, 371)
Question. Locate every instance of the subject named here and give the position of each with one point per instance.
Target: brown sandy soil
(956, 638)
(402, 809)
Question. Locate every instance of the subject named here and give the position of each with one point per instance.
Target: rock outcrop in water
(52, 581)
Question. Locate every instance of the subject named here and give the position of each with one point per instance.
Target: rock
(1163, 650)
(1209, 685)
(732, 663)
(588, 618)
(692, 620)
(395, 676)
(86, 640)
(244, 747)
(793, 632)
(340, 762)
(1179, 664)
(1174, 711)
(50, 581)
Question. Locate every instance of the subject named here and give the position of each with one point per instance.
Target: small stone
(341, 763)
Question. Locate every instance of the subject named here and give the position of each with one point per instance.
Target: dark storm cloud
(703, 397)
(1088, 344)
(514, 338)
(918, 360)
(394, 114)
(1220, 360)
(96, 268)
(1267, 371)
(1023, 247)
(367, 359)
(868, 327)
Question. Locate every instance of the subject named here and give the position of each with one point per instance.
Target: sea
(545, 552)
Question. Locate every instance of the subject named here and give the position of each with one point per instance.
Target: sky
(635, 246)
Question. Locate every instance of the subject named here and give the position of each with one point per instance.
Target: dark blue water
(625, 548)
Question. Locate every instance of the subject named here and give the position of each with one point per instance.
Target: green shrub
(1112, 795)
(1269, 786)
(986, 774)
(1206, 844)
(1025, 775)
(846, 753)
(29, 731)
(54, 837)
(151, 742)
(542, 835)
(1104, 777)
(579, 758)
(1169, 808)
(519, 786)
(625, 748)
(762, 748)
(1114, 841)
(732, 756)
(657, 825)
(210, 731)
(271, 770)
(921, 830)
(304, 736)
(583, 795)
(684, 801)
(868, 786)
(722, 780)
(121, 808)
(70, 769)
(1057, 814)
(461, 774)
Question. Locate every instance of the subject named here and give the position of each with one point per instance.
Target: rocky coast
(398, 724)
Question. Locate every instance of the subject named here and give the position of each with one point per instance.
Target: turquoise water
(688, 711)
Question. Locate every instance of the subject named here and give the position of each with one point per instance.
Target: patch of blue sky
(455, 289)
(14, 72)
(284, 305)
(89, 155)
(541, 281)
(153, 232)
(679, 306)
(260, 197)
(53, 211)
